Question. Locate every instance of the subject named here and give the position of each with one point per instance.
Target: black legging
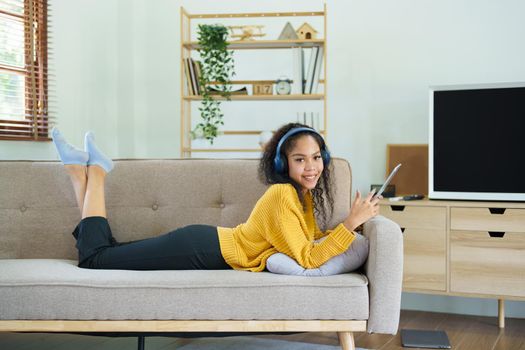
(194, 247)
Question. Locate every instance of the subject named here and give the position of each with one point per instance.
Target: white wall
(117, 73)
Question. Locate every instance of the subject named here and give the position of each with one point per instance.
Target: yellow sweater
(278, 223)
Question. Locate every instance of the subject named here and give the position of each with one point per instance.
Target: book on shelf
(314, 55)
(309, 118)
(317, 70)
(298, 70)
(197, 71)
(192, 70)
(187, 72)
(193, 77)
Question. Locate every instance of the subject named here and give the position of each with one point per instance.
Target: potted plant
(216, 72)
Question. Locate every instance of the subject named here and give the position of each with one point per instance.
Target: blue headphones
(278, 162)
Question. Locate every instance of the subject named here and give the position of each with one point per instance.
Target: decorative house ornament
(288, 33)
(306, 31)
(246, 32)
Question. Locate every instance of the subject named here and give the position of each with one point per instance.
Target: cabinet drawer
(424, 266)
(416, 217)
(485, 219)
(482, 264)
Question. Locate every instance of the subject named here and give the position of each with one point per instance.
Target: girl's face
(305, 163)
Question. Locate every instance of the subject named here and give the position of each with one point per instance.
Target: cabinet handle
(397, 207)
(497, 234)
(497, 210)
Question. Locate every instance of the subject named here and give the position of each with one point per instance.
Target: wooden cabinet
(244, 104)
(424, 229)
(487, 251)
(487, 219)
(485, 264)
(472, 249)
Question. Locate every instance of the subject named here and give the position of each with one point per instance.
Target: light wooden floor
(464, 332)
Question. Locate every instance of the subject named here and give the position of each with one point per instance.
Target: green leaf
(217, 65)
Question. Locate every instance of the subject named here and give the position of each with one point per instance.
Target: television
(477, 142)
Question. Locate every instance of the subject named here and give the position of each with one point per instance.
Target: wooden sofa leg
(346, 340)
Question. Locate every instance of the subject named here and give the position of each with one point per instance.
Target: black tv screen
(477, 142)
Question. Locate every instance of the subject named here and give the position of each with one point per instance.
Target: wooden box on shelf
(424, 229)
(262, 88)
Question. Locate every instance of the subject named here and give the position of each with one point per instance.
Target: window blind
(24, 79)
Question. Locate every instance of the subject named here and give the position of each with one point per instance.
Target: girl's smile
(305, 163)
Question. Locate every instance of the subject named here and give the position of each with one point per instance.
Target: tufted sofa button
(23, 208)
(222, 205)
(154, 207)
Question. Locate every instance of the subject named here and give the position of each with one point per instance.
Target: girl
(296, 165)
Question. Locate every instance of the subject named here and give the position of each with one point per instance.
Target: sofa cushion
(144, 198)
(58, 289)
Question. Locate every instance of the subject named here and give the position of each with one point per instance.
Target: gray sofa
(42, 289)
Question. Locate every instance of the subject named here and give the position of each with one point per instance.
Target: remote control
(410, 197)
(413, 197)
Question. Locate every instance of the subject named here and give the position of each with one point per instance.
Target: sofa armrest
(384, 270)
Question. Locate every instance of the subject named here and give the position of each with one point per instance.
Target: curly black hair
(269, 176)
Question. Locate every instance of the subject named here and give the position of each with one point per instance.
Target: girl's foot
(96, 157)
(68, 153)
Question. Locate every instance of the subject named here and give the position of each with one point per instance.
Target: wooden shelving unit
(188, 46)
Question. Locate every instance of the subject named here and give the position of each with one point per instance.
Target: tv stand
(462, 248)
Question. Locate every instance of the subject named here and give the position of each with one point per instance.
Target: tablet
(388, 179)
(412, 338)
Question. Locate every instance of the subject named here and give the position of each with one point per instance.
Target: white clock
(283, 86)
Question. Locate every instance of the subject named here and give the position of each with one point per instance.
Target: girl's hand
(362, 210)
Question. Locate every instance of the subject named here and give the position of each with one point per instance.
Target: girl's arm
(349, 261)
(289, 235)
(362, 210)
(286, 229)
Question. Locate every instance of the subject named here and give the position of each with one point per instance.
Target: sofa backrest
(38, 210)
